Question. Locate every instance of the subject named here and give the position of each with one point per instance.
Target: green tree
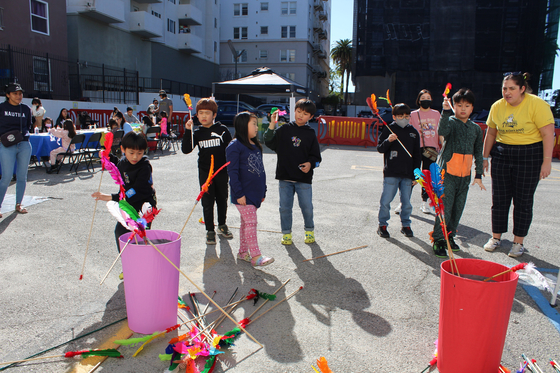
(341, 55)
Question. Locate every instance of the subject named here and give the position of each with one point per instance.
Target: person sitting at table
(147, 123)
(61, 118)
(47, 123)
(129, 117)
(119, 117)
(66, 134)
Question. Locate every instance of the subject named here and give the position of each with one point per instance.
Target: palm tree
(341, 54)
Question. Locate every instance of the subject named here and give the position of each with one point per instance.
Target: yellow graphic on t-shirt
(510, 122)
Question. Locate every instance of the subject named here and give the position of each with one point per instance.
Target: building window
(291, 76)
(1, 18)
(236, 34)
(263, 54)
(288, 55)
(172, 1)
(170, 26)
(215, 47)
(241, 9)
(215, 23)
(156, 14)
(264, 7)
(288, 7)
(39, 16)
(264, 30)
(242, 58)
(288, 32)
(41, 74)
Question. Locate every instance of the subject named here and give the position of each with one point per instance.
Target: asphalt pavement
(374, 309)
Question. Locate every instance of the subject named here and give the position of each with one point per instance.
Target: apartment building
(176, 40)
(289, 37)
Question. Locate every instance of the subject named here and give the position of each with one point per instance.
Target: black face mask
(426, 104)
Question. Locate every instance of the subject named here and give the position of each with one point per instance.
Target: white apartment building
(170, 39)
(289, 37)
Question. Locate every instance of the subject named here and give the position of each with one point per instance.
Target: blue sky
(342, 13)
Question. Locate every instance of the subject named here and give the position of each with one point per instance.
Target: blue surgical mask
(402, 122)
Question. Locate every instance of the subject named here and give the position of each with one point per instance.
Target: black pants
(120, 230)
(515, 174)
(218, 192)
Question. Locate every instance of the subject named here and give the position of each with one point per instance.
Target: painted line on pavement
(544, 303)
(90, 364)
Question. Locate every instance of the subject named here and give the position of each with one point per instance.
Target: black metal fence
(45, 75)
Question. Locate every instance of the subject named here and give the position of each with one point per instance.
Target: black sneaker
(224, 231)
(210, 238)
(407, 231)
(382, 231)
(440, 249)
(453, 244)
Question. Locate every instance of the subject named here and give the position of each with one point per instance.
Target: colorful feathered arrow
(84, 353)
(388, 99)
(204, 187)
(432, 182)
(447, 90)
(323, 366)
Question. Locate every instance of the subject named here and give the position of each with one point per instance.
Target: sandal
(246, 257)
(21, 210)
(261, 261)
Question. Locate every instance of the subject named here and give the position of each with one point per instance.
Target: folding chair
(91, 150)
(73, 156)
(116, 147)
(156, 139)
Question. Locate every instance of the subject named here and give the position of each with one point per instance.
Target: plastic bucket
(473, 316)
(151, 284)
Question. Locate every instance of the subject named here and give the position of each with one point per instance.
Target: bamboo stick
(338, 252)
(91, 228)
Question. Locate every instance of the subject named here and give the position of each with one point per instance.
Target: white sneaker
(492, 244)
(517, 250)
(425, 208)
(398, 209)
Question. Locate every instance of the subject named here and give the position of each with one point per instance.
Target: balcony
(149, 1)
(323, 16)
(106, 11)
(319, 51)
(318, 26)
(323, 35)
(189, 15)
(318, 5)
(145, 25)
(189, 43)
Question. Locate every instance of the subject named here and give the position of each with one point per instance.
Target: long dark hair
(241, 125)
(60, 118)
(68, 125)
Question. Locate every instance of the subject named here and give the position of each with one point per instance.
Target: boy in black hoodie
(212, 139)
(136, 172)
(400, 144)
(298, 154)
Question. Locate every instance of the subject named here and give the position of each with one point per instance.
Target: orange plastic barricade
(348, 131)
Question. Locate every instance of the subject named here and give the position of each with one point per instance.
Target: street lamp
(235, 54)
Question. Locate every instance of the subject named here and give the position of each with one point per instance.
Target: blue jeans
(390, 187)
(8, 156)
(304, 192)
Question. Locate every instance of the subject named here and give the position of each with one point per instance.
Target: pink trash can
(473, 316)
(151, 283)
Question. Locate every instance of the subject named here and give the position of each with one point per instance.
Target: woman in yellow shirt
(520, 139)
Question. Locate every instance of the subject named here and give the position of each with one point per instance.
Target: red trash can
(473, 316)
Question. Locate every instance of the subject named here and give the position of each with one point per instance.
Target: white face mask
(402, 122)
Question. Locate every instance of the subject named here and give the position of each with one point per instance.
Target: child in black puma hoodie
(212, 139)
